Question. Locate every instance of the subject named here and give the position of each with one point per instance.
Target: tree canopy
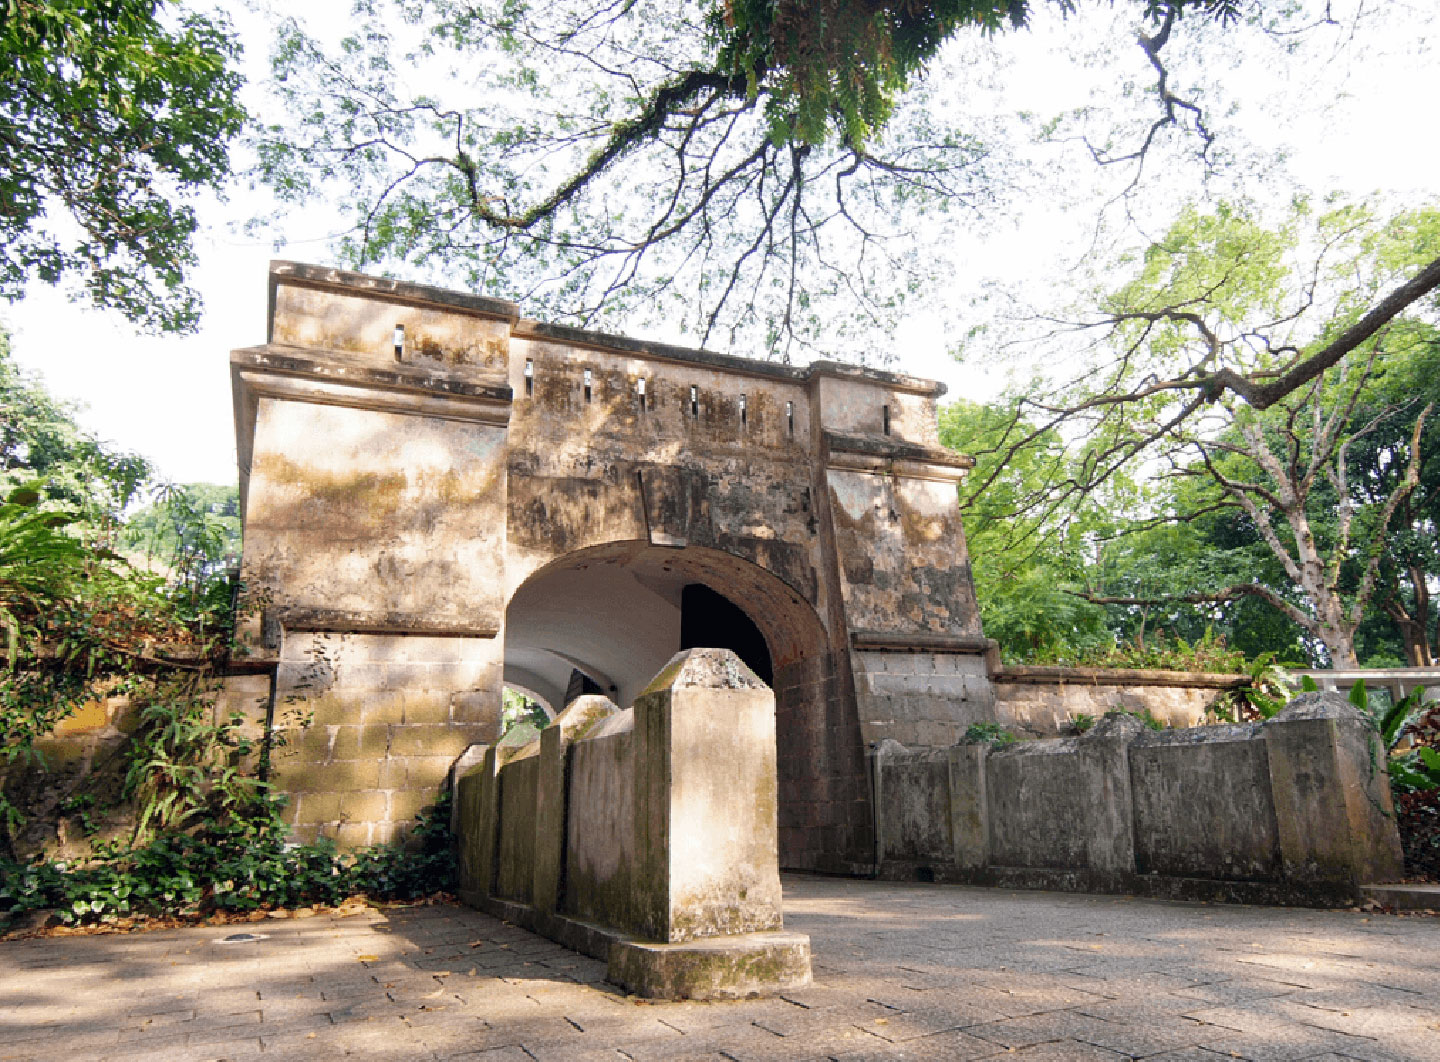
(114, 116)
(40, 441)
(1319, 503)
(766, 171)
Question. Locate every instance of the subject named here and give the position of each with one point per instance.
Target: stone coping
(327, 278)
(1099, 676)
(607, 341)
(1420, 676)
(357, 621)
(1412, 896)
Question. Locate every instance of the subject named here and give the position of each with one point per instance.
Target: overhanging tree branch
(1230, 593)
(1264, 395)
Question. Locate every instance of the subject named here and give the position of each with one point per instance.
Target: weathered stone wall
(368, 725)
(922, 698)
(1213, 782)
(420, 489)
(346, 509)
(465, 333)
(589, 472)
(1046, 701)
(1295, 809)
(519, 796)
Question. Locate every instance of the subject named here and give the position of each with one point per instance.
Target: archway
(613, 615)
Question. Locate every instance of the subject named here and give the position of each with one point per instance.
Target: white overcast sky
(1368, 131)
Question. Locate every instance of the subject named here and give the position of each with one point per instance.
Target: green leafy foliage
(986, 734)
(423, 866)
(38, 565)
(1144, 715)
(41, 445)
(1159, 652)
(234, 861)
(1312, 506)
(1028, 561)
(191, 532)
(1417, 770)
(78, 622)
(112, 113)
(1266, 695)
(520, 714)
(183, 765)
(1391, 720)
(834, 69)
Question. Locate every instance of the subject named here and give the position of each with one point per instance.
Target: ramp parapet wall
(1293, 810)
(645, 837)
(1045, 701)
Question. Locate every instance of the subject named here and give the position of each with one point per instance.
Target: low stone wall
(1296, 809)
(1045, 701)
(646, 837)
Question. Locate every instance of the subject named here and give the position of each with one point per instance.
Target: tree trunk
(1412, 631)
(1342, 651)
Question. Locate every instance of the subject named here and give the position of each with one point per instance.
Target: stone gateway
(441, 499)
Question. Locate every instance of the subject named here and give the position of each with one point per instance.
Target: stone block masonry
(441, 497)
(1294, 810)
(368, 728)
(660, 855)
(1046, 701)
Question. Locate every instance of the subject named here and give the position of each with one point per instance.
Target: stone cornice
(920, 641)
(886, 455)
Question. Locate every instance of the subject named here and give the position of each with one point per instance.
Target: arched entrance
(610, 617)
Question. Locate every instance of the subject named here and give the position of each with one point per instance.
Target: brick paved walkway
(902, 972)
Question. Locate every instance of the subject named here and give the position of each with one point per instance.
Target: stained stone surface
(901, 972)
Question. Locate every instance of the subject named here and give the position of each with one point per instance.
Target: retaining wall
(1295, 810)
(1045, 701)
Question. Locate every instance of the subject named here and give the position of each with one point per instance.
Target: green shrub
(235, 864)
(986, 734)
(1208, 653)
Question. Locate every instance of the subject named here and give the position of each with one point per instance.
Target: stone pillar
(969, 813)
(478, 792)
(474, 756)
(548, 873)
(706, 800)
(1104, 760)
(1333, 809)
(877, 758)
